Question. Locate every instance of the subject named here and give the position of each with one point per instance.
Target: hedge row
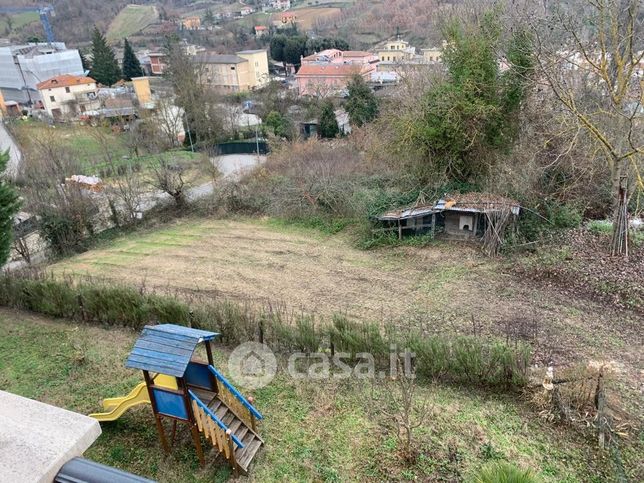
(461, 359)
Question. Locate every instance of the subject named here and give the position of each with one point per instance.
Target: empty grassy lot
(440, 288)
(314, 431)
(17, 21)
(130, 20)
(306, 17)
(86, 145)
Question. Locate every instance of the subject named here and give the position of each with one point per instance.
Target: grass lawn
(314, 431)
(130, 20)
(87, 144)
(18, 20)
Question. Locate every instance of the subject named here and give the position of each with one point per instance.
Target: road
(231, 167)
(15, 155)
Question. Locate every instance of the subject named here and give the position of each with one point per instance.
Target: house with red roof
(67, 95)
(328, 72)
(261, 30)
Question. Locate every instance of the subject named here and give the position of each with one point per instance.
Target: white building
(281, 4)
(67, 95)
(22, 67)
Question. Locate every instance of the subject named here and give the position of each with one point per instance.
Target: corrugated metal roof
(166, 348)
(470, 202)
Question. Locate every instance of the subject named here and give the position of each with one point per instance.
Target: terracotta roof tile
(64, 80)
(329, 69)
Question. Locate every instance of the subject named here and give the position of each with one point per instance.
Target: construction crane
(44, 12)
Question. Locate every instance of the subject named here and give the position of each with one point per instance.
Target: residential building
(157, 63)
(143, 91)
(280, 4)
(432, 54)
(328, 72)
(396, 51)
(66, 96)
(286, 20)
(246, 11)
(244, 71)
(261, 31)
(22, 67)
(191, 23)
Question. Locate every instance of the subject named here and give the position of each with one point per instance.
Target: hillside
(130, 20)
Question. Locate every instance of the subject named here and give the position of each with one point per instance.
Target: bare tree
(588, 56)
(189, 79)
(403, 413)
(21, 247)
(64, 208)
(125, 188)
(168, 175)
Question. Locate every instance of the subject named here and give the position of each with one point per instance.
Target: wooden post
(399, 230)
(192, 420)
(231, 450)
(600, 402)
(252, 416)
(164, 442)
(433, 224)
(211, 361)
(157, 417)
(209, 353)
(197, 440)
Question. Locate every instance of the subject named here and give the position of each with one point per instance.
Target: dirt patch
(578, 263)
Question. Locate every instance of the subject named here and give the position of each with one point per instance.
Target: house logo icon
(252, 365)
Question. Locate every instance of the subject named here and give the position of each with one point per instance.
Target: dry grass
(441, 288)
(130, 20)
(306, 17)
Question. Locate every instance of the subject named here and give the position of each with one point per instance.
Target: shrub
(458, 359)
(504, 473)
(600, 227)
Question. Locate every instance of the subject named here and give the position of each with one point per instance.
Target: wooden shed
(459, 217)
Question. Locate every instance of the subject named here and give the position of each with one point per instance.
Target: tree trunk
(619, 243)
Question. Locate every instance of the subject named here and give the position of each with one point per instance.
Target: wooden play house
(203, 398)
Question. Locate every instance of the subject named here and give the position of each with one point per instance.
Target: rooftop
(327, 68)
(213, 58)
(64, 80)
(166, 348)
(256, 51)
(476, 202)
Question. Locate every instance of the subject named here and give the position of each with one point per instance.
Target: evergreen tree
(131, 65)
(105, 68)
(209, 18)
(294, 49)
(467, 119)
(87, 65)
(8, 208)
(362, 105)
(278, 43)
(328, 124)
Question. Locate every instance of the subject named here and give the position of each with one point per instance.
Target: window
(52, 98)
(232, 67)
(67, 90)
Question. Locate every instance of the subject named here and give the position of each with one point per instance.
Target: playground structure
(115, 407)
(183, 389)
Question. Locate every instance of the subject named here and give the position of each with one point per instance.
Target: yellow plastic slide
(115, 407)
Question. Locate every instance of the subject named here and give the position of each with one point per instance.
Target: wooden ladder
(234, 438)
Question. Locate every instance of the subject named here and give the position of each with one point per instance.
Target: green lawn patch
(314, 431)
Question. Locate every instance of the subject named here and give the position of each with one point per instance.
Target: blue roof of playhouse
(166, 348)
